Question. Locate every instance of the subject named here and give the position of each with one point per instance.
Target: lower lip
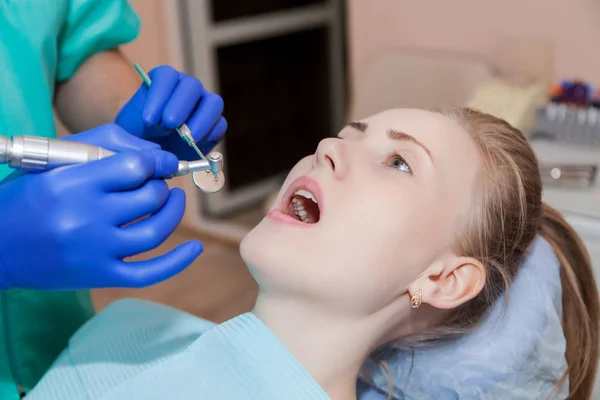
(278, 216)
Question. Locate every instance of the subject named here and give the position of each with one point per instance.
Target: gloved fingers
(206, 116)
(151, 232)
(164, 81)
(141, 274)
(112, 137)
(214, 137)
(126, 207)
(183, 101)
(122, 171)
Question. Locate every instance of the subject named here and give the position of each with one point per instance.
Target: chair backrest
(518, 351)
(408, 78)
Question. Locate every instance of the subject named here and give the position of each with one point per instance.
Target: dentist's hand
(172, 99)
(71, 227)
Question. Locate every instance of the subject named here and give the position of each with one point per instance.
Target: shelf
(267, 25)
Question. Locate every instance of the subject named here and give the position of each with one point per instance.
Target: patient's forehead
(422, 122)
(439, 133)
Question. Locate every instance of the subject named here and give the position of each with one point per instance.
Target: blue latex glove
(174, 98)
(64, 229)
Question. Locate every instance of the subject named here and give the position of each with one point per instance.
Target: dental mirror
(208, 182)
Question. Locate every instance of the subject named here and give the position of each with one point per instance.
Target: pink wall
(151, 47)
(475, 26)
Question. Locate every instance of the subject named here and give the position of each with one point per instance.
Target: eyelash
(361, 126)
(393, 157)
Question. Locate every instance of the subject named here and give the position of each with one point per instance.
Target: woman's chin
(261, 246)
(270, 251)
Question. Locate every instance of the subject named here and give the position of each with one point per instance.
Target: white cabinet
(580, 207)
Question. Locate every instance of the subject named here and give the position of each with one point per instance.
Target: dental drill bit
(183, 130)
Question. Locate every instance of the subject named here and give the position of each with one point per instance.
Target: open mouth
(302, 201)
(305, 207)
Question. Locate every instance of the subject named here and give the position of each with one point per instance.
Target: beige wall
(476, 26)
(152, 46)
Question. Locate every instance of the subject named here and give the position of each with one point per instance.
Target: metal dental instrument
(38, 154)
(182, 130)
(580, 176)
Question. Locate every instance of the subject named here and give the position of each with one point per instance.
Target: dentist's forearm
(97, 91)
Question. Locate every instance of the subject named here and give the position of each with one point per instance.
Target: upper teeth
(307, 194)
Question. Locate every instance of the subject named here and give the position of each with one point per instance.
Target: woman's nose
(331, 154)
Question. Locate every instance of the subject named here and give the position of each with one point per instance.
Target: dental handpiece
(38, 154)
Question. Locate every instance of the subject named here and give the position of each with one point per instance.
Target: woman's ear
(459, 280)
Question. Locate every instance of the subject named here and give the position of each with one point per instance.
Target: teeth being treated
(306, 194)
(297, 204)
(299, 210)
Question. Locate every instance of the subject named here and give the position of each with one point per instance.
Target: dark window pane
(277, 102)
(229, 9)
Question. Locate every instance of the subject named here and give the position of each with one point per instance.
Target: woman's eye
(395, 160)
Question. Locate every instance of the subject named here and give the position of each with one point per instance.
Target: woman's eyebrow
(392, 134)
(359, 126)
(398, 135)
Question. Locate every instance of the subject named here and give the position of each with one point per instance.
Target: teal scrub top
(43, 42)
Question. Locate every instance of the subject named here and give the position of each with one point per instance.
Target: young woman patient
(403, 232)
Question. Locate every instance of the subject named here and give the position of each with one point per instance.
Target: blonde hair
(508, 215)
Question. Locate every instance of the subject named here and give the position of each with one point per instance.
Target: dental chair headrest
(517, 353)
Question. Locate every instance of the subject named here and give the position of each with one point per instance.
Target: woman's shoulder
(136, 314)
(131, 323)
(125, 339)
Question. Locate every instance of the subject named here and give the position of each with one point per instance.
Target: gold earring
(416, 300)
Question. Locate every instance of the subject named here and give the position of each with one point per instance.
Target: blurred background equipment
(571, 114)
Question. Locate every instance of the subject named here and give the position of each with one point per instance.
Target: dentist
(68, 230)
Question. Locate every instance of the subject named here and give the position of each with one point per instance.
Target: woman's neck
(332, 350)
